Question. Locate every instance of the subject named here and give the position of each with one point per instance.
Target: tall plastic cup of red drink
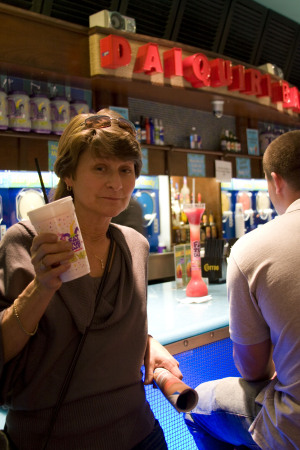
(196, 286)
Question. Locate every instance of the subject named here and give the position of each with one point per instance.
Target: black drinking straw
(41, 180)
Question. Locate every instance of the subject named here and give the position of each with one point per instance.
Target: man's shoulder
(257, 239)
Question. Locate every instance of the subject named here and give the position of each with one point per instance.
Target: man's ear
(278, 182)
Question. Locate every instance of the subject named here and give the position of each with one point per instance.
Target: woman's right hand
(50, 258)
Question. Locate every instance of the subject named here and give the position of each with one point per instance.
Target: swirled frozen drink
(59, 217)
(196, 286)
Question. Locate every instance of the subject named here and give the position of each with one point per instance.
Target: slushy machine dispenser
(20, 192)
(245, 206)
(152, 192)
(146, 192)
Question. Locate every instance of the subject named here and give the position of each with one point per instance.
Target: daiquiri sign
(132, 59)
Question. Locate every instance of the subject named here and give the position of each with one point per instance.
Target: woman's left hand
(157, 356)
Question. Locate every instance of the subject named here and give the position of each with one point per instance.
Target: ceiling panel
(153, 18)
(77, 11)
(200, 23)
(24, 4)
(278, 41)
(293, 70)
(243, 30)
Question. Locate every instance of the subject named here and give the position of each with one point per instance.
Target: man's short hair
(283, 157)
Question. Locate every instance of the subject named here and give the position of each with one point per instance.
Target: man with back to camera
(261, 409)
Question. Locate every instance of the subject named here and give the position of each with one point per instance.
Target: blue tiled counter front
(171, 321)
(197, 335)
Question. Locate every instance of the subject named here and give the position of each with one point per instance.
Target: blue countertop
(170, 321)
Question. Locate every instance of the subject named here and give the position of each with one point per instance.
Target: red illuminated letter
(148, 60)
(238, 78)
(296, 93)
(252, 82)
(115, 52)
(196, 70)
(297, 110)
(173, 62)
(220, 72)
(293, 101)
(265, 84)
(280, 92)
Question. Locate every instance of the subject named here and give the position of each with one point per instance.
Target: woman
(42, 319)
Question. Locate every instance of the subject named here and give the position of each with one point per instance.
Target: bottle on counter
(185, 192)
(172, 191)
(138, 131)
(203, 229)
(195, 139)
(232, 142)
(183, 217)
(162, 248)
(175, 206)
(223, 141)
(238, 147)
(143, 130)
(161, 133)
(156, 132)
(152, 133)
(3, 110)
(206, 227)
(228, 143)
(213, 226)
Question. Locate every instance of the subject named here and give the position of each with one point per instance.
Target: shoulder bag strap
(72, 366)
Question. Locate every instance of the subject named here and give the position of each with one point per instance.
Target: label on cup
(66, 227)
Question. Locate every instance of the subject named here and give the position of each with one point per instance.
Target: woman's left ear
(68, 181)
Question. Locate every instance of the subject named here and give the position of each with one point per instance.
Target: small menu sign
(252, 141)
(243, 168)
(196, 165)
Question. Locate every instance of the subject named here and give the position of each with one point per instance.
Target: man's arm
(254, 362)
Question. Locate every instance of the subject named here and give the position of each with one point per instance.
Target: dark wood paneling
(39, 44)
(9, 153)
(177, 163)
(31, 149)
(156, 162)
(18, 153)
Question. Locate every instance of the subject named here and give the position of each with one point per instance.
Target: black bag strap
(67, 380)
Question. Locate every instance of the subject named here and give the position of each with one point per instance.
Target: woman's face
(102, 186)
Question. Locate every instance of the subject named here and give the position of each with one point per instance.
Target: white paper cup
(59, 217)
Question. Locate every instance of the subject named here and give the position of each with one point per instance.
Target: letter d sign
(115, 51)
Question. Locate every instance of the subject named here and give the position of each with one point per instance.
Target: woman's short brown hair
(110, 142)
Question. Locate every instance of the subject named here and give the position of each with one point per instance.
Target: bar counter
(172, 321)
